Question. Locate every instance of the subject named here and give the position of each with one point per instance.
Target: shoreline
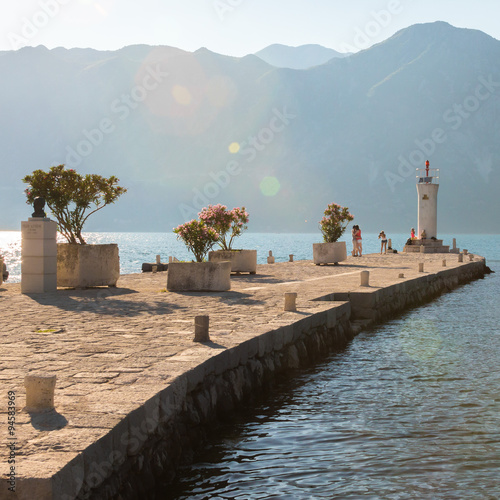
(133, 389)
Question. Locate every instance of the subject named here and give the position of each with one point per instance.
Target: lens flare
(181, 95)
(234, 148)
(270, 186)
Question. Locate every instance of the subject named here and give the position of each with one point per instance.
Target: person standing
(383, 242)
(359, 244)
(354, 241)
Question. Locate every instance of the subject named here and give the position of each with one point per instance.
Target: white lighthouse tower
(427, 189)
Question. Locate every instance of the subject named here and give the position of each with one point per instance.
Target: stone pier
(134, 392)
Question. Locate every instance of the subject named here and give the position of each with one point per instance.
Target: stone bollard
(201, 333)
(39, 392)
(471, 257)
(365, 278)
(460, 257)
(270, 259)
(154, 269)
(290, 257)
(466, 252)
(444, 262)
(420, 267)
(454, 244)
(401, 275)
(170, 260)
(290, 301)
(422, 249)
(158, 259)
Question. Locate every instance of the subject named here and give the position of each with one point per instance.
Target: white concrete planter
(82, 266)
(242, 261)
(329, 253)
(199, 276)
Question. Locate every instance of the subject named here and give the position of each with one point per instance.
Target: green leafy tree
(72, 198)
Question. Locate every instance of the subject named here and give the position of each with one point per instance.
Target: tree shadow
(102, 301)
(230, 297)
(48, 421)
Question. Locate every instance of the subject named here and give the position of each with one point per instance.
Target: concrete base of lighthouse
(426, 246)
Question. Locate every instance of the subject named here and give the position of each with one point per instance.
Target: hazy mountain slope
(182, 130)
(303, 57)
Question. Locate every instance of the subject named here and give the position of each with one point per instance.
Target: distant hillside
(182, 130)
(303, 57)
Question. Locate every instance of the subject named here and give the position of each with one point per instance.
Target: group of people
(357, 246)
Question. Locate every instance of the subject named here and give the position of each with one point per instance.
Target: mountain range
(303, 57)
(182, 130)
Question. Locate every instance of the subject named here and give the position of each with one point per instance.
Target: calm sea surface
(408, 410)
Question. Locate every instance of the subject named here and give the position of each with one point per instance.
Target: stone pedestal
(39, 256)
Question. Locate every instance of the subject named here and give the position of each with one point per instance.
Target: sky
(229, 27)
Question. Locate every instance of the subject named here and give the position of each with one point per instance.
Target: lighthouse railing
(427, 175)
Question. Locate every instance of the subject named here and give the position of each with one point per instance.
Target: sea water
(138, 248)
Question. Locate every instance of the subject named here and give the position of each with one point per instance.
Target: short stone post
(39, 392)
(39, 255)
(365, 278)
(290, 257)
(389, 244)
(460, 257)
(422, 249)
(444, 262)
(471, 257)
(201, 324)
(401, 275)
(420, 267)
(158, 259)
(154, 268)
(270, 259)
(454, 245)
(466, 251)
(170, 260)
(290, 301)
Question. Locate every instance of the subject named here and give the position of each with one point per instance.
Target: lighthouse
(427, 189)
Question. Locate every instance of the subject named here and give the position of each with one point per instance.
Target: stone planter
(83, 266)
(199, 276)
(329, 253)
(242, 261)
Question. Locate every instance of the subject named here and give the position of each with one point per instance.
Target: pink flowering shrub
(229, 224)
(334, 223)
(198, 237)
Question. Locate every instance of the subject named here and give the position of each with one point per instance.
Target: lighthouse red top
(427, 163)
(427, 176)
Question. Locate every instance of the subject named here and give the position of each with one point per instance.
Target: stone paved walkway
(113, 349)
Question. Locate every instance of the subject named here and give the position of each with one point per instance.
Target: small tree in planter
(198, 276)
(230, 224)
(198, 237)
(333, 224)
(73, 198)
